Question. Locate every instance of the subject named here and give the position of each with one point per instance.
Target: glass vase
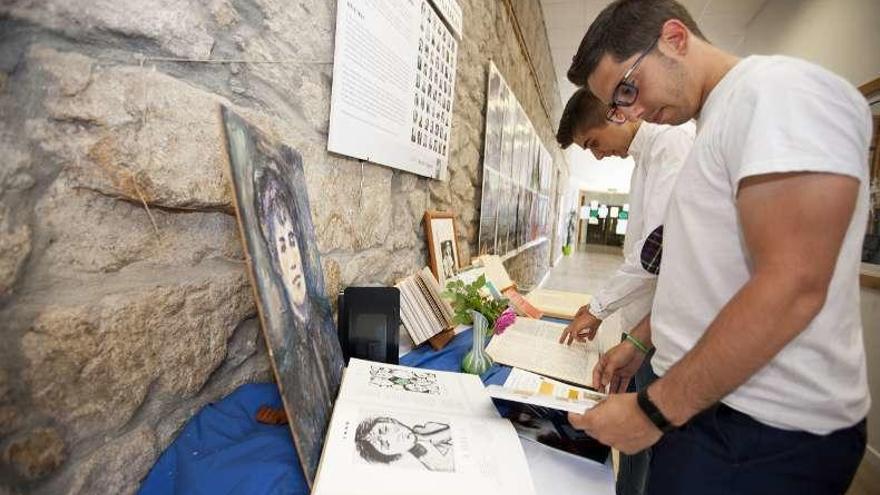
(476, 361)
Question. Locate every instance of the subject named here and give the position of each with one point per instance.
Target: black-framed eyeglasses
(626, 92)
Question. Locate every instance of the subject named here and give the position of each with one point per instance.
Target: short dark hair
(624, 28)
(583, 111)
(366, 449)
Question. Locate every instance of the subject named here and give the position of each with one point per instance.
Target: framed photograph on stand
(441, 237)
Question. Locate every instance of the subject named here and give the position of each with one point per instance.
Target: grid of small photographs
(435, 83)
(452, 12)
(515, 202)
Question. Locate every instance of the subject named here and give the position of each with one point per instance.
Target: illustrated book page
(400, 430)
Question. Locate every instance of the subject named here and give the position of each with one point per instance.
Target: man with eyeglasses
(756, 320)
(658, 152)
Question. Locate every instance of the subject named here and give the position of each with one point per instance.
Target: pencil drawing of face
(390, 437)
(386, 440)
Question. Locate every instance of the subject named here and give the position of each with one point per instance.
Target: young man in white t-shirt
(756, 318)
(659, 152)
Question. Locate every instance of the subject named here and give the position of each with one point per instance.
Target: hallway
(584, 271)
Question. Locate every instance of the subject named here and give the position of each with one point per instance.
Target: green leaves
(465, 297)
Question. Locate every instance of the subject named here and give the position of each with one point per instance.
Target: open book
(533, 345)
(401, 430)
(531, 388)
(495, 272)
(557, 303)
(425, 315)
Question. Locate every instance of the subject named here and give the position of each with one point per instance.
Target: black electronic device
(369, 323)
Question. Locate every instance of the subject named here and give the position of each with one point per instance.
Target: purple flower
(504, 320)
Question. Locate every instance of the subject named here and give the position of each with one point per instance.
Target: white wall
(587, 173)
(841, 35)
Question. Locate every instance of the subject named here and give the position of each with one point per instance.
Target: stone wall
(124, 301)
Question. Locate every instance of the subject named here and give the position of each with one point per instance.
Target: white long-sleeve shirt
(659, 152)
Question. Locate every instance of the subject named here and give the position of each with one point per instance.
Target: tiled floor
(586, 271)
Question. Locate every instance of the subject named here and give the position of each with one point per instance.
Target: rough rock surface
(125, 305)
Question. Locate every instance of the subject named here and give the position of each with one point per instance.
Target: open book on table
(531, 388)
(538, 408)
(533, 345)
(557, 303)
(401, 430)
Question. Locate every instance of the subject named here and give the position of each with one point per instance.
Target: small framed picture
(442, 245)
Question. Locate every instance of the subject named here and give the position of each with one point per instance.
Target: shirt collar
(638, 146)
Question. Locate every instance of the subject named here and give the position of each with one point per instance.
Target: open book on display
(533, 345)
(557, 303)
(424, 313)
(399, 430)
(531, 388)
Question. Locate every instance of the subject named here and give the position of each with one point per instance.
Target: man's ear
(674, 38)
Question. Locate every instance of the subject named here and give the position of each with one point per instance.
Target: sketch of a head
(283, 235)
(383, 439)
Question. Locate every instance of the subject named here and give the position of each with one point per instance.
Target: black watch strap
(652, 412)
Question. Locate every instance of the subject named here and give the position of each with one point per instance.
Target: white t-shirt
(769, 114)
(659, 152)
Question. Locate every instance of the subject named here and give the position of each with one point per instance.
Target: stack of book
(423, 312)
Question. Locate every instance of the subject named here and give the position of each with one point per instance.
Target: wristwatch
(653, 412)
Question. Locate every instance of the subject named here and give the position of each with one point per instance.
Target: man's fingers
(569, 332)
(580, 421)
(564, 334)
(597, 373)
(608, 373)
(591, 334)
(614, 385)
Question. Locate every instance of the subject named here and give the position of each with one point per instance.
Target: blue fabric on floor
(223, 450)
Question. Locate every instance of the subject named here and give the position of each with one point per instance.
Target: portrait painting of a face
(274, 217)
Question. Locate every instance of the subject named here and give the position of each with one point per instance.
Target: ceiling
(723, 22)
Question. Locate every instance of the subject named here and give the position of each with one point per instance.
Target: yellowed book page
(495, 271)
(557, 303)
(533, 345)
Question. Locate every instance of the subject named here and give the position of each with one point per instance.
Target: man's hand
(583, 327)
(618, 422)
(617, 367)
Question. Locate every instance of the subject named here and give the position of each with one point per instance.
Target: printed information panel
(393, 85)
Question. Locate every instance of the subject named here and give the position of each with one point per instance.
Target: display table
(224, 450)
